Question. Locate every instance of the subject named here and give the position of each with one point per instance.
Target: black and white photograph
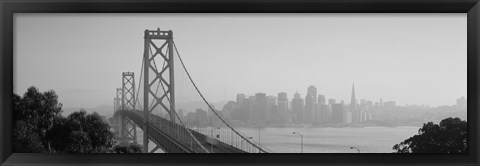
(240, 83)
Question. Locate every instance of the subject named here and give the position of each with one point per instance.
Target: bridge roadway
(166, 134)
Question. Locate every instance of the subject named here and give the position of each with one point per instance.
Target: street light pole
(259, 135)
(213, 137)
(358, 150)
(241, 142)
(301, 139)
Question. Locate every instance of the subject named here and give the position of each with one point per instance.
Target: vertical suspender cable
(215, 112)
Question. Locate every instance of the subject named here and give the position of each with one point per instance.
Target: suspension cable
(140, 83)
(173, 106)
(181, 122)
(213, 110)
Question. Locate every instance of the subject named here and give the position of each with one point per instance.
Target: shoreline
(325, 126)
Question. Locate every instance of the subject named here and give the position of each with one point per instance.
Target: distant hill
(107, 110)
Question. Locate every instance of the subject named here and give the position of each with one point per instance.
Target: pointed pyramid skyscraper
(353, 100)
(356, 115)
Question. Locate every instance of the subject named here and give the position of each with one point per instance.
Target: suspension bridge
(166, 93)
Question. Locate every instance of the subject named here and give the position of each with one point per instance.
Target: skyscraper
(321, 99)
(347, 117)
(240, 98)
(324, 114)
(312, 91)
(353, 100)
(246, 108)
(363, 103)
(282, 107)
(310, 105)
(237, 113)
(321, 110)
(356, 115)
(259, 111)
(201, 117)
(331, 101)
(369, 104)
(338, 113)
(230, 110)
(271, 108)
(192, 118)
(297, 108)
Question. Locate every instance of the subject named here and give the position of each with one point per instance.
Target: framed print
(256, 82)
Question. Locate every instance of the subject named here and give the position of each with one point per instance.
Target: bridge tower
(116, 107)
(128, 128)
(116, 100)
(162, 44)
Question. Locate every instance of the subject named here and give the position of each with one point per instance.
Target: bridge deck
(162, 132)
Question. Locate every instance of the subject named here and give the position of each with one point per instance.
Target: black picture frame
(9, 7)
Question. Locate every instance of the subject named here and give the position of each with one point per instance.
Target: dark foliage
(450, 136)
(39, 127)
(81, 133)
(25, 140)
(34, 115)
(127, 149)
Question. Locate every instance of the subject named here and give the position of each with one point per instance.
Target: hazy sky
(407, 58)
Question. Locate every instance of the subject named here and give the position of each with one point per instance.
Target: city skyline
(292, 95)
(331, 51)
(279, 110)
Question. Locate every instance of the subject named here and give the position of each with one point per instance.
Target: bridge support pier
(127, 131)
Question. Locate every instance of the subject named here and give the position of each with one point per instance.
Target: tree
(34, 115)
(450, 136)
(24, 140)
(81, 133)
(40, 127)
